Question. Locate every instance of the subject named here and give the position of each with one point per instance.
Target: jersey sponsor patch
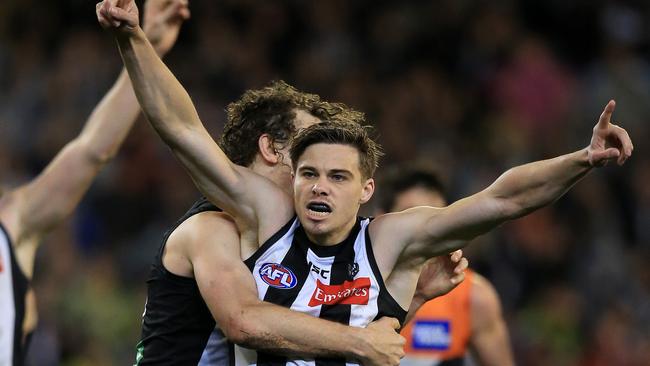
(350, 292)
(278, 276)
(431, 335)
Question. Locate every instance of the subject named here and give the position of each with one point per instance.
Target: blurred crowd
(469, 87)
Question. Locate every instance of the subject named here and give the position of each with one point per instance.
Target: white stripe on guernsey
(245, 356)
(301, 303)
(7, 306)
(280, 249)
(363, 317)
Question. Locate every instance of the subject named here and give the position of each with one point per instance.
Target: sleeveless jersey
(13, 290)
(176, 323)
(439, 332)
(340, 283)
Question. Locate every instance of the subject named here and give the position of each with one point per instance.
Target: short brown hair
(271, 110)
(343, 133)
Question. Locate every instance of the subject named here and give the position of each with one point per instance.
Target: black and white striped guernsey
(340, 283)
(13, 290)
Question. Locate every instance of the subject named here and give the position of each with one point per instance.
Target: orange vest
(440, 329)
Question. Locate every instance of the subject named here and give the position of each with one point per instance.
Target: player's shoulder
(484, 296)
(203, 227)
(410, 221)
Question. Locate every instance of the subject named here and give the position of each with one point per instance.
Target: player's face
(328, 191)
(303, 120)
(418, 196)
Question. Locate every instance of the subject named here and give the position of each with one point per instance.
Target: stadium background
(471, 87)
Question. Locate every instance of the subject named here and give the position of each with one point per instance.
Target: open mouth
(319, 208)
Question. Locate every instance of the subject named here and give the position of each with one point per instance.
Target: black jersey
(13, 290)
(176, 322)
(340, 283)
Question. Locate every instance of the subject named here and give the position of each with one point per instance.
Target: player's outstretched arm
(489, 339)
(170, 111)
(515, 193)
(212, 244)
(34, 208)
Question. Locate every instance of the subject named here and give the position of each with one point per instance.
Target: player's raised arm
(171, 112)
(515, 193)
(39, 205)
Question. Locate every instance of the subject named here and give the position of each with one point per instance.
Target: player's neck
(332, 237)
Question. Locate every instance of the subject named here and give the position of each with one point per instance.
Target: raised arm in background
(29, 211)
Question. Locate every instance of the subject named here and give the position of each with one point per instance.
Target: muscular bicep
(253, 199)
(222, 182)
(426, 232)
(224, 281)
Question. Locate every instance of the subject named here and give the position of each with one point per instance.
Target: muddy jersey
(13, 291)
(340, 283)
(439, 333)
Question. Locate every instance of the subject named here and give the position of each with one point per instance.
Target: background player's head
(404, 188)
(262, 123)
(334, 163)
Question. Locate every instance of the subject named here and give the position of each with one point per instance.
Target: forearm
(170, 111)
(528, 187)
(296, 334)
(162, 98)
(416, 303)
(110, 121)
(55, 193)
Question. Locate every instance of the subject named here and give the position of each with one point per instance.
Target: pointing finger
(606, 116)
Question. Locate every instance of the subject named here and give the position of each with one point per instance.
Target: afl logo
(278, 276)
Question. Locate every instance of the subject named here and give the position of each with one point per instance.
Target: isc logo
(278, 276)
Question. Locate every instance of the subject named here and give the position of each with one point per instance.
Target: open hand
(609, 141)
(440, 275)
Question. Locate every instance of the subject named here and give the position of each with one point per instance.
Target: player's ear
(268, 150)
(367, 191)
